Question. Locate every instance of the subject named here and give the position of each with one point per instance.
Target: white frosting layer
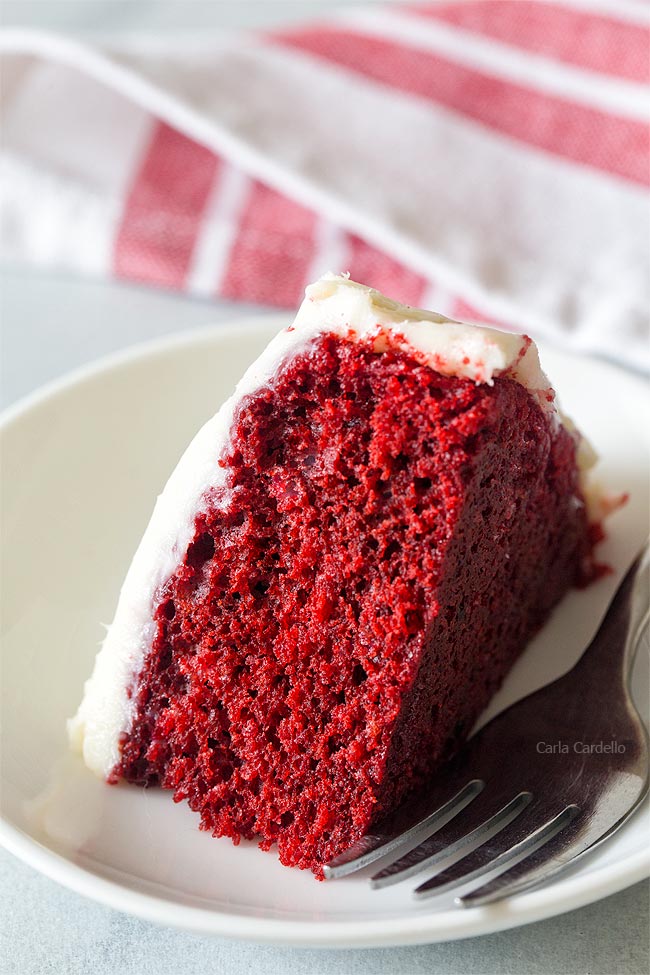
(333, 304)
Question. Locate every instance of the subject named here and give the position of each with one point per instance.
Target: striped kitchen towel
(488, 158)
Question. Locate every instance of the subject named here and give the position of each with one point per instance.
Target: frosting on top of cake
(335, 305)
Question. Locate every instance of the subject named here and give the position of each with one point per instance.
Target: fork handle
(613, 648)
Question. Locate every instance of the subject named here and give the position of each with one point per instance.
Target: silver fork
(541, 785)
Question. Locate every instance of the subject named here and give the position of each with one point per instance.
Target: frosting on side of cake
(333, 304)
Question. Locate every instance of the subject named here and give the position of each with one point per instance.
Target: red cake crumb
(386, 544)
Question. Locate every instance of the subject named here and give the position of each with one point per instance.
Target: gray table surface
(49, 325)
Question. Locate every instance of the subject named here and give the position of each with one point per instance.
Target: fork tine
(374, 846)
(538, 866)
(482, 861)
(542, 863)
(430, 853)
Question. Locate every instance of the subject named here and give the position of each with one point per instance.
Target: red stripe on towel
(271, 256)
(163, 209)
(376, 269)
(576, 132)
(580, 37)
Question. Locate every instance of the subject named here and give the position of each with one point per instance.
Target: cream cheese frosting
(334, 304)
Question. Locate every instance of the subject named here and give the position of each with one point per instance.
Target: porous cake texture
(340, 573)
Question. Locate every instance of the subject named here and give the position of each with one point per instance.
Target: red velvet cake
(338, 575)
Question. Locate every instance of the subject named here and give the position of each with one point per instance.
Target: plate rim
(438, 926)
(575, 890)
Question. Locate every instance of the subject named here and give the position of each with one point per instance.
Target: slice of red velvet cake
(338, 575)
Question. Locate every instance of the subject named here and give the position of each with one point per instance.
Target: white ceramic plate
(82, 463)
